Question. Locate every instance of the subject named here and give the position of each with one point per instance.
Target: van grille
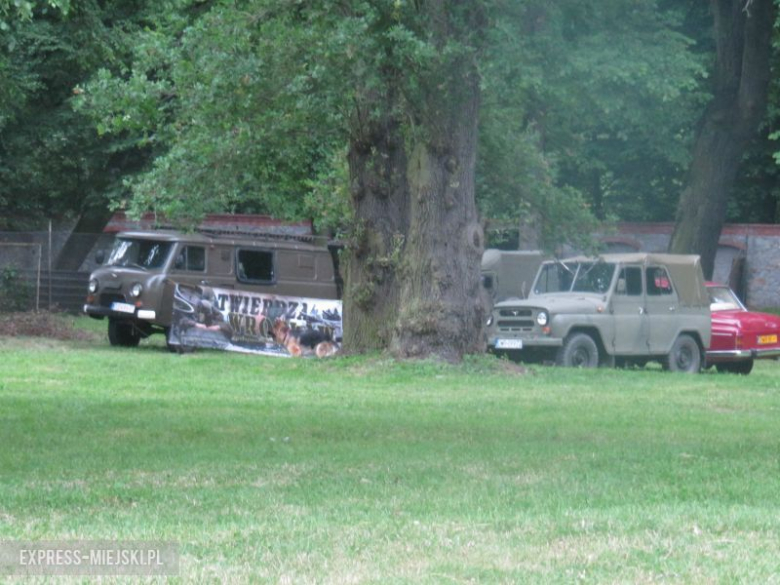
(107, 298)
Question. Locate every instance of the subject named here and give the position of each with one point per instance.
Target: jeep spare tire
(685, 356)
(579, 350)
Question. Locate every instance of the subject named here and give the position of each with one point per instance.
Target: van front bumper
(120, 311)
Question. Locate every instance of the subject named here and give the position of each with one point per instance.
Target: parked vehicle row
(623, 309)
(614, 309)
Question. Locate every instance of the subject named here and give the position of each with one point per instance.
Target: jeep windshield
(146, 254)
(580, 277)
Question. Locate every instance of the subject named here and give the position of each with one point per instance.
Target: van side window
(630, 281)
(196, 258)
(255, 266)
(192, 258)
(658, 282)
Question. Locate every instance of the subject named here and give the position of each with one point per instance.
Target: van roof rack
(303, 238)
(227, 233)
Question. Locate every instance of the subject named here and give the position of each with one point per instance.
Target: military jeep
(135, 287)
(615, 309)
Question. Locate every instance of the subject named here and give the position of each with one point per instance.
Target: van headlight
(136, 290)
(542, 318)
(93, 285)
(489, 321)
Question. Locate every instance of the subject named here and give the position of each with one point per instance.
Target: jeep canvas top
(614, 308)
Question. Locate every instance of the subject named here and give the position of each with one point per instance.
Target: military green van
(610, 310)
(134, 289)
(509, 273)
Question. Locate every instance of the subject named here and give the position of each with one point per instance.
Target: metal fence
(21, 265)
(47, 269)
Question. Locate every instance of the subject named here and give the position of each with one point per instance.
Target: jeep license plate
(509, 344)
(765, 339)
(123, 307)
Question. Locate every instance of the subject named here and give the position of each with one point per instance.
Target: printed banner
(237, 320)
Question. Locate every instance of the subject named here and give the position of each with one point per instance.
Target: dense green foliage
(52, 162)
(12, 11)
(609, 94)
(249, 104)
(229, 100)
(588, 110)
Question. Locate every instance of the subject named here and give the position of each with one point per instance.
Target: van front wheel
(579, 350)
(122, 333)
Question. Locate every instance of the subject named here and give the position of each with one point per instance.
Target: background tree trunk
(83, 238)
(743, 32)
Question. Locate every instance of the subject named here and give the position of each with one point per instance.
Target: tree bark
(413, 267)
(442, 314)
(743, 32)
(377, 163)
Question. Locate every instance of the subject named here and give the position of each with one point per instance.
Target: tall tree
(252, 105)
(414, 265)
(252, 101)
(743, 34)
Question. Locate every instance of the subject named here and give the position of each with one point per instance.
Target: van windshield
(147, 254)
(587, 277)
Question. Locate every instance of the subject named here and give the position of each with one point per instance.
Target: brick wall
(759, 244)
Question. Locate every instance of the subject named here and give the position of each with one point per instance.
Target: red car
(739, 336)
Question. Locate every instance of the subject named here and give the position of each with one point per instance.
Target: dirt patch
(44, 324)
(511, 367)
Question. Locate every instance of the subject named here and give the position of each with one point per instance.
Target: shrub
(15, 294)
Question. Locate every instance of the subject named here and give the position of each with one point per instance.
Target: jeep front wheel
(123, 334)
(579, 350)
(685, 356)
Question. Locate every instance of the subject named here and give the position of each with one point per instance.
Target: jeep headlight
(93, 285)
(489, 321)
(542, 318)
(136, 290)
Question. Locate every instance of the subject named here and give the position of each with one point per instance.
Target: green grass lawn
(365, 470)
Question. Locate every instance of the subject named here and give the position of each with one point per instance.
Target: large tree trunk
(441, 313)
(377, 163)
(743, 31)
(413, 267)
